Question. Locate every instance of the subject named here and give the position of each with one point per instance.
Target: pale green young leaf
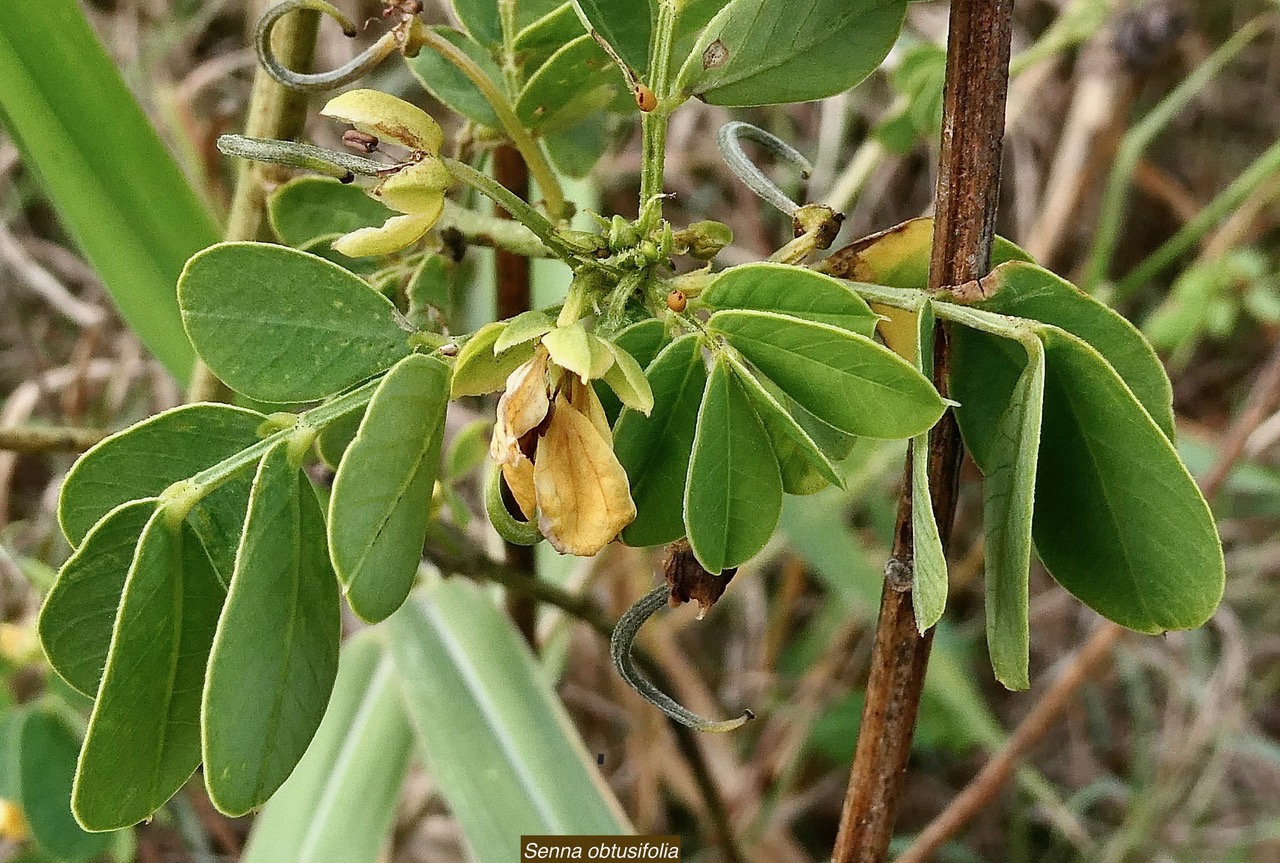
(844, 379)
(627, 25)
(642, 340)
(1008, 506)
(478, 371)
(449, 86)
(486, 718)
(929, 582)
(146, 458)
(306, 209)
(733, 495)
(79, 614)
(378, 512)
(143, 741)
(46, 753)
(275, 652)
(577, 80)
(654, 450)
(626, 378)
(792, 291)
(115, 187)
(340, 802)
(280, 325)
(578, 351)
(1024, 290)
(804, 467)
(764, 52)
(524, 327)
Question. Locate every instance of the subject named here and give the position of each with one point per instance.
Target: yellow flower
(416, 190)
(553, 443)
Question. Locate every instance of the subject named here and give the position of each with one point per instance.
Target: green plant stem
(38, 439)
(274, 112)
(539, 168)
(513, 204)
(482, 229)
(654, 123)
(1261, 171)
(1135, 143)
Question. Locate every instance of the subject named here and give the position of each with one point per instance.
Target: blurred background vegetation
(1125, 170)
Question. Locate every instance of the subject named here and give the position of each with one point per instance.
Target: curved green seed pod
(357, 67)
(508, 526)
(624, 635)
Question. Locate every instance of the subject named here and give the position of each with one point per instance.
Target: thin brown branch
(1043, 716)
(974, 99)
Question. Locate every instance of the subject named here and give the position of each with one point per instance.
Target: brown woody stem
(964, 227)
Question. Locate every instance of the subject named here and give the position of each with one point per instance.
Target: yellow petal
(519, 477)
(522, 407)
(582, 492)
(385, 116)
(392, 236)
(418, 188)
(583, 398)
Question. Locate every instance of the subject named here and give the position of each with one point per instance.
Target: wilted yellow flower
(416, 190)
(553, 443)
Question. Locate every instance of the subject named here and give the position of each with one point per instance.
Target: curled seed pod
(624, 635)
(645, 98)
(729, 139)
(508, 526)
(677, 301)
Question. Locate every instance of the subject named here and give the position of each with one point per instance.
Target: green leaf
(483, 21)
(524, 327)
(79, 613)
(542, 38)
(46, 753)
(478, 371)
(381, 500)
(626, 378)
(792, 291)
(1024, 290)
(1118, 520)
(336, 436)
(642, 340)
(449, 86)
(575, 149)
(275, 653)
(576, 81)
(627, 25)
(763, 52)
(654, 450)
(842, 378)
(929, 560)
(469, 448)
(340, 802)
(1008, 506)
(306, 209)
(804, 467)
(115, 187)
(428, 289)
(279, 325)
(486, 719)
(733, 496)
(143, 740)
(148, 457)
